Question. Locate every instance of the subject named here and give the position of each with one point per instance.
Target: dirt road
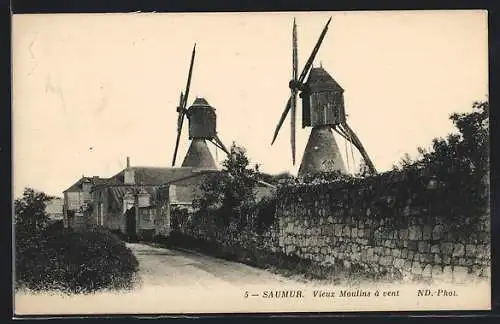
(181, 282)
(165, 267)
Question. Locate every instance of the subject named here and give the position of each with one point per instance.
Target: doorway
(130, 225)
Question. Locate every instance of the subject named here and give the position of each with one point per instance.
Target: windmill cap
(201, 103)
(319, 77)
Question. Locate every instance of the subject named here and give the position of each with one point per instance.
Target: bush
(229, 194)
(265, 213)
(73, 261)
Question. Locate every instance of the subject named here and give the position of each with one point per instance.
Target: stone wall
(397, 225)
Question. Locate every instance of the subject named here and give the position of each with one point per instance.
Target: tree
(466, 151)
(460, 163)
(229, 193)
(406, 161)
(29, 210)
(240, 188)
(474, 130)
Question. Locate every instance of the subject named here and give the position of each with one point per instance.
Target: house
(77, 199)
(137, 200)
(55, 209)
(128, 202)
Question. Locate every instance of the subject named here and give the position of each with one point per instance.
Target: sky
(91, 89)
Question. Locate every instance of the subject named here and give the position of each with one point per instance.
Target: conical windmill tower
(202, 128)
(323, 110)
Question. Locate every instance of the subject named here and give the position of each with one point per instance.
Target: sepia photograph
(250, 162)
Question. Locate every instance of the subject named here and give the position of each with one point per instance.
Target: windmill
(323, 110)
(202, 127)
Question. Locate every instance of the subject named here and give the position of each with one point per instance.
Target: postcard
(252, 162)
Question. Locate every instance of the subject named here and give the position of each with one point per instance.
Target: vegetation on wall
(265, 214)
(449, 180)
(51, 257)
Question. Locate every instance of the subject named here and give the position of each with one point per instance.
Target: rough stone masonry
(376, 232)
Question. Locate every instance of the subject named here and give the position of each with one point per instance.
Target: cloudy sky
(91, 89)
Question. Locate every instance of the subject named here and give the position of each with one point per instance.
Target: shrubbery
(265, 212)
(74, 261)
(227, 199)
(229, 194)
(56, 258)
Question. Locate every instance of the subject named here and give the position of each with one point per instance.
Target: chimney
(129, 174)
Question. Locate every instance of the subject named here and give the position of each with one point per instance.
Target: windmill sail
(219, 144)
(182, 106)
(348, 134)
(296, 84)
(357, 143)
(293, 103)
(323, 110)
(310, 61)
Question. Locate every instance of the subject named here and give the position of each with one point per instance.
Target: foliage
(74, 261)
(179, 217)
(50, 257)
(325, 177)
(461, 163)
(229, 194)
(29, 212)
(465, 152)
(265, 212)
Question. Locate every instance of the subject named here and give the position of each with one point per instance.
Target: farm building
(137, 200)
(128, 201)
(76, 200)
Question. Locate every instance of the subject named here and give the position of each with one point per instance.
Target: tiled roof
(154, 176)
(193, 178)
(77, 186)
